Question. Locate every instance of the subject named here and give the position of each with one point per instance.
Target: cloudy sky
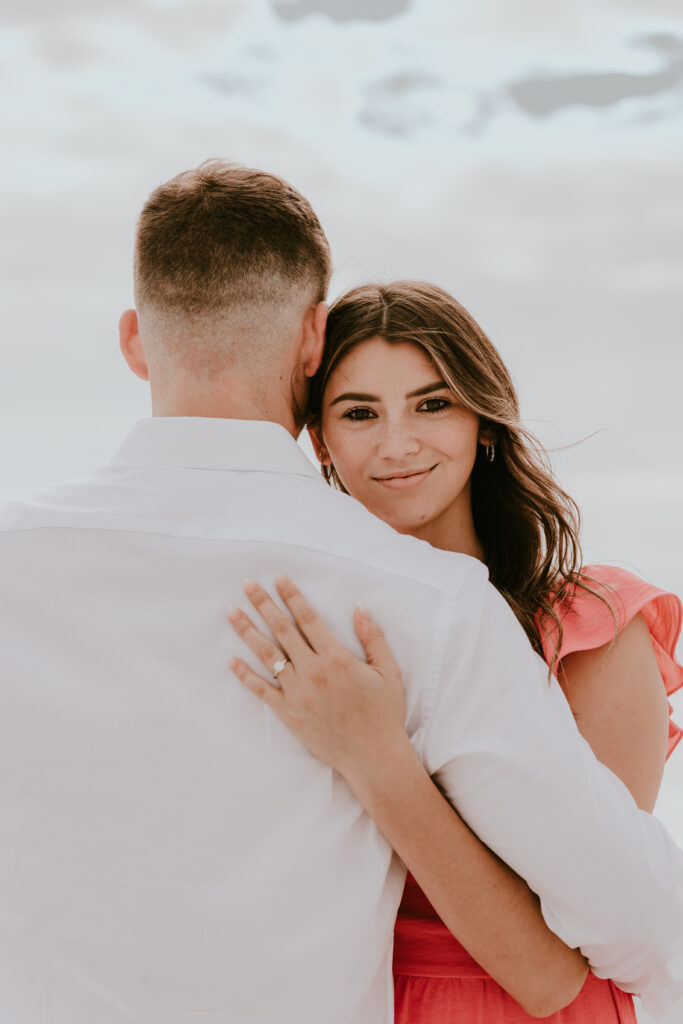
(526, 156)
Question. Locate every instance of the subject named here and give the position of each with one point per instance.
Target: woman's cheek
(348, 465)
(353, 476)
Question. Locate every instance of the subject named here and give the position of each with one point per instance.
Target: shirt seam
(444, 622)
(446, 595)
(278, 471)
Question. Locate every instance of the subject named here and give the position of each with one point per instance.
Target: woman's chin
(403, 521)
(409, 525)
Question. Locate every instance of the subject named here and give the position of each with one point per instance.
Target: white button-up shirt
(168, 851)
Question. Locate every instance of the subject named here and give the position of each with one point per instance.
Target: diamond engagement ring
(279, 666)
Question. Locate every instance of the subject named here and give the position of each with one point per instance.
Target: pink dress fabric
(436, 981)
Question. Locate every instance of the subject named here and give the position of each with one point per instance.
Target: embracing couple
(237, 702)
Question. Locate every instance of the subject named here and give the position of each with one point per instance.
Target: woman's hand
(351, 714)
(347, 712)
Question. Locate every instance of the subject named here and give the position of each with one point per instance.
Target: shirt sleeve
(504, 746)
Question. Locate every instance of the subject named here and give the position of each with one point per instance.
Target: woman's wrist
(381, 775)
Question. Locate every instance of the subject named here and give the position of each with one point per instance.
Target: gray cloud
(182, 26)
(28, 10)
(232, 85)
(543, 95)
(60, 49)
(341, 10)
(395, 105)
(485, 109)
(399, 105)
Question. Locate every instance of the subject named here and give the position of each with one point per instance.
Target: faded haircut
(224, 245)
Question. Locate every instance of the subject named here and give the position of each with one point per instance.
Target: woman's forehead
(384, 360)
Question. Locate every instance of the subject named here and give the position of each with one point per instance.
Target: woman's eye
(359, 413)
(435, 405)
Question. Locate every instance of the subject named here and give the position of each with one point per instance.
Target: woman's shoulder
(611, 598)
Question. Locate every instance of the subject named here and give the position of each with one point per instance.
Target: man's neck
(223, 402)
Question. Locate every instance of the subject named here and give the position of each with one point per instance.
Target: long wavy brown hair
(528, 525)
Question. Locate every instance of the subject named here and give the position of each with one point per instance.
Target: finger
(269, 694)
(265, 650)
(374, 642)
(280, 625)
(305, 616)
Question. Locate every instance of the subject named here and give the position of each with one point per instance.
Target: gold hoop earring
(490, 451)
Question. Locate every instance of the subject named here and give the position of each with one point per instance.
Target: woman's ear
(321, 452)
(487, 435)
(487, 439)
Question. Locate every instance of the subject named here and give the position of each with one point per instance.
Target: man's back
(170, 852)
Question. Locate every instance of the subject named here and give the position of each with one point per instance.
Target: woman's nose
(398, 441)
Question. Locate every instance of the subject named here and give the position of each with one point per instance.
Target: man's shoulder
(350, 531)
(299, 512)
(86, 502)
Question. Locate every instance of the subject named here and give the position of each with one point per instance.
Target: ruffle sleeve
(588, 623)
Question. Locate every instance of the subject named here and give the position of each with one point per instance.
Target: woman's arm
(489, 908)
(620, 706)
(351, 715)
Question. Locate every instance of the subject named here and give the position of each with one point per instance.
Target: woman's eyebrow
(354, 396)
(428, 388)
(357, 396)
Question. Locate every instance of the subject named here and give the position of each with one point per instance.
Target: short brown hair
(222, 236)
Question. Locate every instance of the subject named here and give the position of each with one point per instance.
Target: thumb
(377, 650)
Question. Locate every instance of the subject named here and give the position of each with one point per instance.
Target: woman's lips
(404, 481)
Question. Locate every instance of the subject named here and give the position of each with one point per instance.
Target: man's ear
(313, 341)
(130, 344)
(321, 452)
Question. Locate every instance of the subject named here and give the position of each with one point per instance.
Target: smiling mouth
(404, 480)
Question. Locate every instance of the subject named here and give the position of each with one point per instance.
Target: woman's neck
(453, 530)
(464, 542)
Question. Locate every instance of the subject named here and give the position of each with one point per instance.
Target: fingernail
(248, 584)
(233, 613)
(362, 610)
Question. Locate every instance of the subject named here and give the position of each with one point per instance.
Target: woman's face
(400, 441)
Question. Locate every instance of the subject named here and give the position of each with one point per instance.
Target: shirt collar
(196, 442)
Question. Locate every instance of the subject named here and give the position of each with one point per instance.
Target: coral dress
(436, 981)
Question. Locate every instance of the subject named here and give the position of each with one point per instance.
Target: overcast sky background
(526, 156)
